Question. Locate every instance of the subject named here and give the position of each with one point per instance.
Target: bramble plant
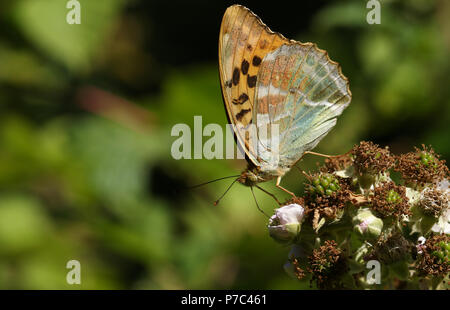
(352, 212)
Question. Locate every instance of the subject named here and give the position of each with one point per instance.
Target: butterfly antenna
(229, 187)
(198, 185)
(257, 205)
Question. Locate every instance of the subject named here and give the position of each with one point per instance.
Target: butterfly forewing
(244, 41)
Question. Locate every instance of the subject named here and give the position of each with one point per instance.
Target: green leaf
(23, 224)
(44, 23)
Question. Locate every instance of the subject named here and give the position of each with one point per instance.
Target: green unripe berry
(444, 253)
(438, 254)
(324, 184)
(393, 197)
(427, 159)
(319, 188)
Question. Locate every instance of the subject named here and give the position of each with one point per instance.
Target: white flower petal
(290, 214)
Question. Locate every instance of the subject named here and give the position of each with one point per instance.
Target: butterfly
(267, 80)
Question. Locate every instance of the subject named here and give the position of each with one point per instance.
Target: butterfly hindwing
(302, 91)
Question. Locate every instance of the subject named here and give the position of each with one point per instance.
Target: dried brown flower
(326, 265)
(299, 272)
(390, 200)
(434, 259)
(421, 167)
(298, 200)
(328, 206)
(369, 158)
(390, 248)
(434, 201)
(336, 163)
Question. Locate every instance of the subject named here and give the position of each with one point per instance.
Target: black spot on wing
(236, 75)
(244, 67)
(251, 80)
(241, 114)
(256, 61)
(242, 98)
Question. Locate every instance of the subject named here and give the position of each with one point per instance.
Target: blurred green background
(86, 113)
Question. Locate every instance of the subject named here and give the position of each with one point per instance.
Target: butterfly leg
(257, 205)
(312, 153)
(270, 194)
(317, 154)
(323, 155)
(282, 188)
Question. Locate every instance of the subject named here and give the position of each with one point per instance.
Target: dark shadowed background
(86, 113)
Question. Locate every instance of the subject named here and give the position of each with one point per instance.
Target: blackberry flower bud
(366, 224)
(284, 226)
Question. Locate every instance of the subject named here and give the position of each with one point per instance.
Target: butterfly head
(251, 176)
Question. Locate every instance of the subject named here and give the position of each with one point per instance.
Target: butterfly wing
(302, 91)
(267, 79)
(243, 43)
